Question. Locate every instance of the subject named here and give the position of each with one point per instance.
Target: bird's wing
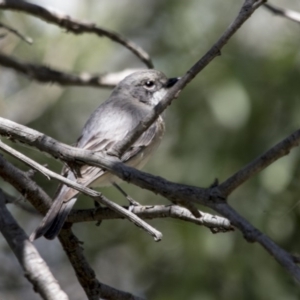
(91, 173)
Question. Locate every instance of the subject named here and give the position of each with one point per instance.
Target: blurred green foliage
(244, 102)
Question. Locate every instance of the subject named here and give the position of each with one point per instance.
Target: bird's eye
(149, 84)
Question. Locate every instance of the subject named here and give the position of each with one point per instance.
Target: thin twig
(246, 11)
(213, 222)
(46, 74)
(97, 196)
(252, 234)
(26, 39)
(279, 150)
(212, 197)
(286, 13)
(41, 201)
(94, 289)
(75, 26)
(19, 202)
(35, 268)
(177, 193)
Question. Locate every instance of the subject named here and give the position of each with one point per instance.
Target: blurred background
(244, 102)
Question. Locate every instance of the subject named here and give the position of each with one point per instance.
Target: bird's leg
(97, 205)
(131, 201)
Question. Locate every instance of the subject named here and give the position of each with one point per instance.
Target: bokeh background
(244, 102)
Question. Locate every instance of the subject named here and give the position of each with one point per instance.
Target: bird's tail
(54, 219)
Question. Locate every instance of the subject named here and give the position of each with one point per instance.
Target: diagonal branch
(96, 195)
(252, 234)
(177, 193)
(246, 11)
(85, 274)
(286, 13)
(35, 268)
(279, 150)
(19, 202)
(46, 74)
(74, 26)
(212, 197)
(41, 201)
(20, 180)
(28, 40)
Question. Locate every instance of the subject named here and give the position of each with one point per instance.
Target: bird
(130, 102)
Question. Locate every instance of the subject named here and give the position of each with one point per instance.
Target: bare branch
(85, 274)
(28, 40)
(35, 268)
(20, 179)
(279, 150)
(74, 26)
(25, 186)
(177, 193)
(46, 74)
(212, 197)
(95, 195)
(19, 202)
(251, 234)
(286, 13)
(246, 11)
(41, 201)
(214, 223)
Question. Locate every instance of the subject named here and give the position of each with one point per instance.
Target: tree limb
(211, 197)
(246, 11)
(279, 150)
(42, 202)
(214, 223)
(35, 268)
(85, 274)
(75, 26)
(46, 74)
(286, 13)
(28, 40)
(95, 195)
(176, 193)
(19, 202)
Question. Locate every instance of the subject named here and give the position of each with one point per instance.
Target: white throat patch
(157, 96)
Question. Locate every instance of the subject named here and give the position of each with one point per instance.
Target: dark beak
(171, 82)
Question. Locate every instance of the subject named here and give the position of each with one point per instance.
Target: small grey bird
(129, 103)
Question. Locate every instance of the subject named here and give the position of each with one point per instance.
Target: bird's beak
(171, 82)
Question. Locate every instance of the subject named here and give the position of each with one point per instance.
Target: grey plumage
(130, 102)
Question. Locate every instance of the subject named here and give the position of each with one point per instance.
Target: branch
(95, 195)
(251, 234)
(177, 193)
(85, 274)
(42, 202)
(19, 202)
(214, 223)
(35, 268)
(279, 150)
(74, 26)
(211, 198)
(25, 186)
(286, 13)
(28, 40)
(46, 74)
(246, 11)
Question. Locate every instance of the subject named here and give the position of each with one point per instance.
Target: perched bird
(129, 103)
